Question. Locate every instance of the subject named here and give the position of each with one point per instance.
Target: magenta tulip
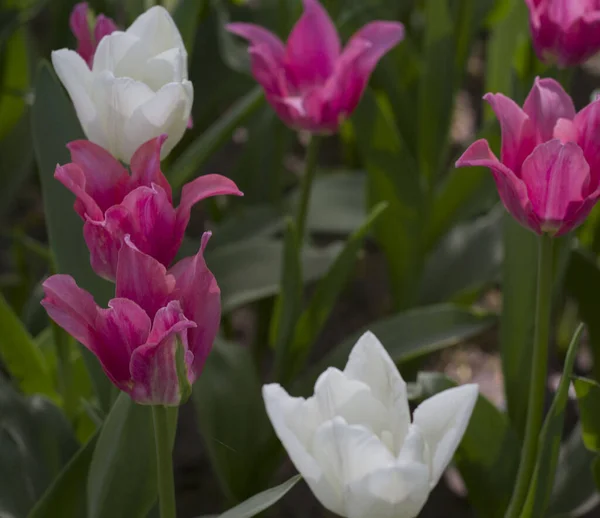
(113, 203)
(549, 174)
(565, 31)
(87, 40)
(310, 82)
(154, 338)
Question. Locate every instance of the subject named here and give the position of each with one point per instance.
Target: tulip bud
(137, 88)
(311, 83)
(565, 31)
(354, 442)
(89, 31)
(549, 174)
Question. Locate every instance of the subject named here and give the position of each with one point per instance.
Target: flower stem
(539, 368)
(310, 168)
(166, 486)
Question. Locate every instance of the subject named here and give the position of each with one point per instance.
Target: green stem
(65, 376)
(310, 167)
(539, 368)
(164, 447)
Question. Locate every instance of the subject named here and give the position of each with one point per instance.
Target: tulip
(153, 339)
(87, 40)
(354, 443)
(113, 203)
(549, 174)
(565, 31)
(310, 82)
(137, 88)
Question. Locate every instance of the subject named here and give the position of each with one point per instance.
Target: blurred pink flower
(87, 41)
(114, 204)
(310, 82)
(549, 174)
(567, 31)
(154, 338)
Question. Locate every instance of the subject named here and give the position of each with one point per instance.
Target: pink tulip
(113, 203)
(565, 31)
(311, 83)
(549, 174)
(154, 338)
(87, 42)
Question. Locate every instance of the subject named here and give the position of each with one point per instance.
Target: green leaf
(23, 359)
(488, 455)
(14, 80)
(255, 222)
(262, 501)
(191, 161)
(288, 305)
(54, 124)
(36, 441)
(466, 260)
(243, 457)
(409, 335)
(574, 492)
(67, 496)
(393, 178)
(541, 486)
(122, 476)
(186, 15)
(251, 270)
(326, 293)
(588, 399)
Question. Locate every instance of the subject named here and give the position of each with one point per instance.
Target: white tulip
(354, 443)
(137, 88)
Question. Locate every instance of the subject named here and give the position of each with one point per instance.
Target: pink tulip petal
(200, 298)
(104, 240)
(511, 189)
(518, 136)
(106, 180)
(104, 27)
(257, 35)
(267, 71)
(197, 190)
(80, 27)
(153, 223)
(72, 308)
(565, 131)
(73, 178)
(546, 104)
(153, 366)
(555, 174)
(143, 279)
(312, 47)
(587, 123)
(145, 166)
(121, 329)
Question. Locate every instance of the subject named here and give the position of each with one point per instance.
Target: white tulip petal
(280, 406)
(443, 419)
(167, 67)
(158, 30)
(76, 77)
(353, 400)
(112, 50)
(370, 363)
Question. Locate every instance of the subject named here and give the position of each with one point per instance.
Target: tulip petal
(555, 174)
(104, 27)
(199, 189)
(443, 419)
(121, 328)
(397, 491)
(312, 47)
(518, 135)
(143, 279)
(512, 190)
(72, 308)
(73, 178)
(587, 123)
(80, 27)
(145, 166)
(157, 30)
(106, 180)
(279, 406)
(371, 364)
(257, 35)
(169, 66)
(121, 54)
(76, 77)
(153, 366)
(546, 103)
(197, 289)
